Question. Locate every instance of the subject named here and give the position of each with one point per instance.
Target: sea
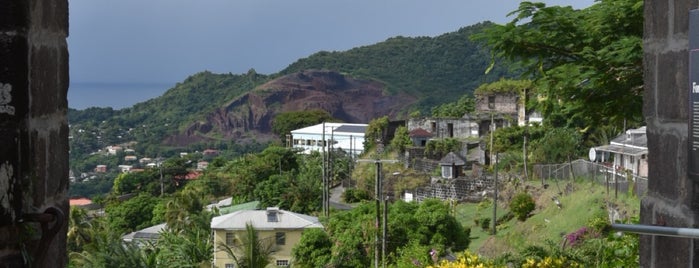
(82, 95)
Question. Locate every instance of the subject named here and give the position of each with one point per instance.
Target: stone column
(33, 133)
(673, 198)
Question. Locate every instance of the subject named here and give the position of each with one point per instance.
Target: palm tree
(78, 228)
(250, 251)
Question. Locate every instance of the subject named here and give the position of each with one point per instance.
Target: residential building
(338, 136)
(101, 168)
(282, 227)
(452, 166)
(202, 165)
(130, 158)
(626, 152)
(444, 127)
(113, 150)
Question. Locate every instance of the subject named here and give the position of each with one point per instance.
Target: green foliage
(465, 104)
(434, 69)
(354, 195)
(427, 224)
(313, 250)
(586, 64)
(522, 205)
(401, 139)
(557, 146)
(185, 248)
(284, 123)
(376, 130)
(504, 86)
(132, 214)
(442, 147)
(249, 251)
(485, 224)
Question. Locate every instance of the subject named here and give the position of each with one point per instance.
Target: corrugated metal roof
(620, 149)
(259, 219)
(452, 158)
(351, 129)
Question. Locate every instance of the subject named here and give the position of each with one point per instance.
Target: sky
(162, 42)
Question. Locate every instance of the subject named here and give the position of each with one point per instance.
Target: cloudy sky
(164, 41)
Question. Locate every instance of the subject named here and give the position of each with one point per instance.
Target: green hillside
(436, 70)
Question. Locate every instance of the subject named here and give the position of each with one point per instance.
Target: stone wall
(673, 199)
(33, 133)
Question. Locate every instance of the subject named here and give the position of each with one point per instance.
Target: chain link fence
(616, 180)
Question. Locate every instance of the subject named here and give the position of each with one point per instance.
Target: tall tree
(587, 64)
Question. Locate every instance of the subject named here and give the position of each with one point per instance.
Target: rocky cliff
(250, 116)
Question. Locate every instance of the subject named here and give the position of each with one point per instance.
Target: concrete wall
(33, 133)
(672, 199)
(440, 127)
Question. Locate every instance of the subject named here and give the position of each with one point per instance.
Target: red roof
(420, 133)
(80, 201)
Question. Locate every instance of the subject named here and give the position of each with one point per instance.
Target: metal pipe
(657, 230)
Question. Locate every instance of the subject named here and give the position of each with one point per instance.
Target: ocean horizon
(119, 95)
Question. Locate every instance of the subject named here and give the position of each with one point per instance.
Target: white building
(628, 152)
(345, 136)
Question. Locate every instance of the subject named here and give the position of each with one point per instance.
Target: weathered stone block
(663, 176)
(672, 93)
(649, 80)
(655, 13)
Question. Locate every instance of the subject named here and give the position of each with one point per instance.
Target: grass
(581, 202)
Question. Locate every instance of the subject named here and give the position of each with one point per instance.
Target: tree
(459, 108)
(132, 214)
(284, 123)
(376, 130)
(557, 145)
(313, 250)
(587, 64)
(401, 139)
(250, 251)
(78, 229)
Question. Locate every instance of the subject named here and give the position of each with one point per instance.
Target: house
(147, 234)
(130, 158)
(210, 152)
(419, 137)
(125, 168)
(113, 150)
(282, 227)
(626, 152)
(344, 136)
(452, 165)
(101, 168)
(202, 165)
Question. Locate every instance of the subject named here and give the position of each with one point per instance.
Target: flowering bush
(466, 260)
(549, 262)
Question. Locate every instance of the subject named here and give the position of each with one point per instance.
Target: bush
(355, 195)
(522, 205)
(485, 224)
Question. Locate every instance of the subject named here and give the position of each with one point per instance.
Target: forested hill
(206, 107)
(434, 69)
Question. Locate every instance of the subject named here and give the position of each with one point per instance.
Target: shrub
(485, 224)
(522, 205)
(355, 195)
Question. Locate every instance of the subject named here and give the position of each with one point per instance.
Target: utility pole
(495, 197)
(325, 206)
(378, 192)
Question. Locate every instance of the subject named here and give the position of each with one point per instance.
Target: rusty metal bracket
(51, 221)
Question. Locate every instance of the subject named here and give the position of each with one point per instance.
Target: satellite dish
(592, 154)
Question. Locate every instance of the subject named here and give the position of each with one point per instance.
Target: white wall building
(345, 136)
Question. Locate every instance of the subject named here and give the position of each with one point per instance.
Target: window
(433, 127)
(280, 237)
(283, 263)
(491, 102)
(450, 130)
(272, 216)
(230, 265)
(230, 239)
